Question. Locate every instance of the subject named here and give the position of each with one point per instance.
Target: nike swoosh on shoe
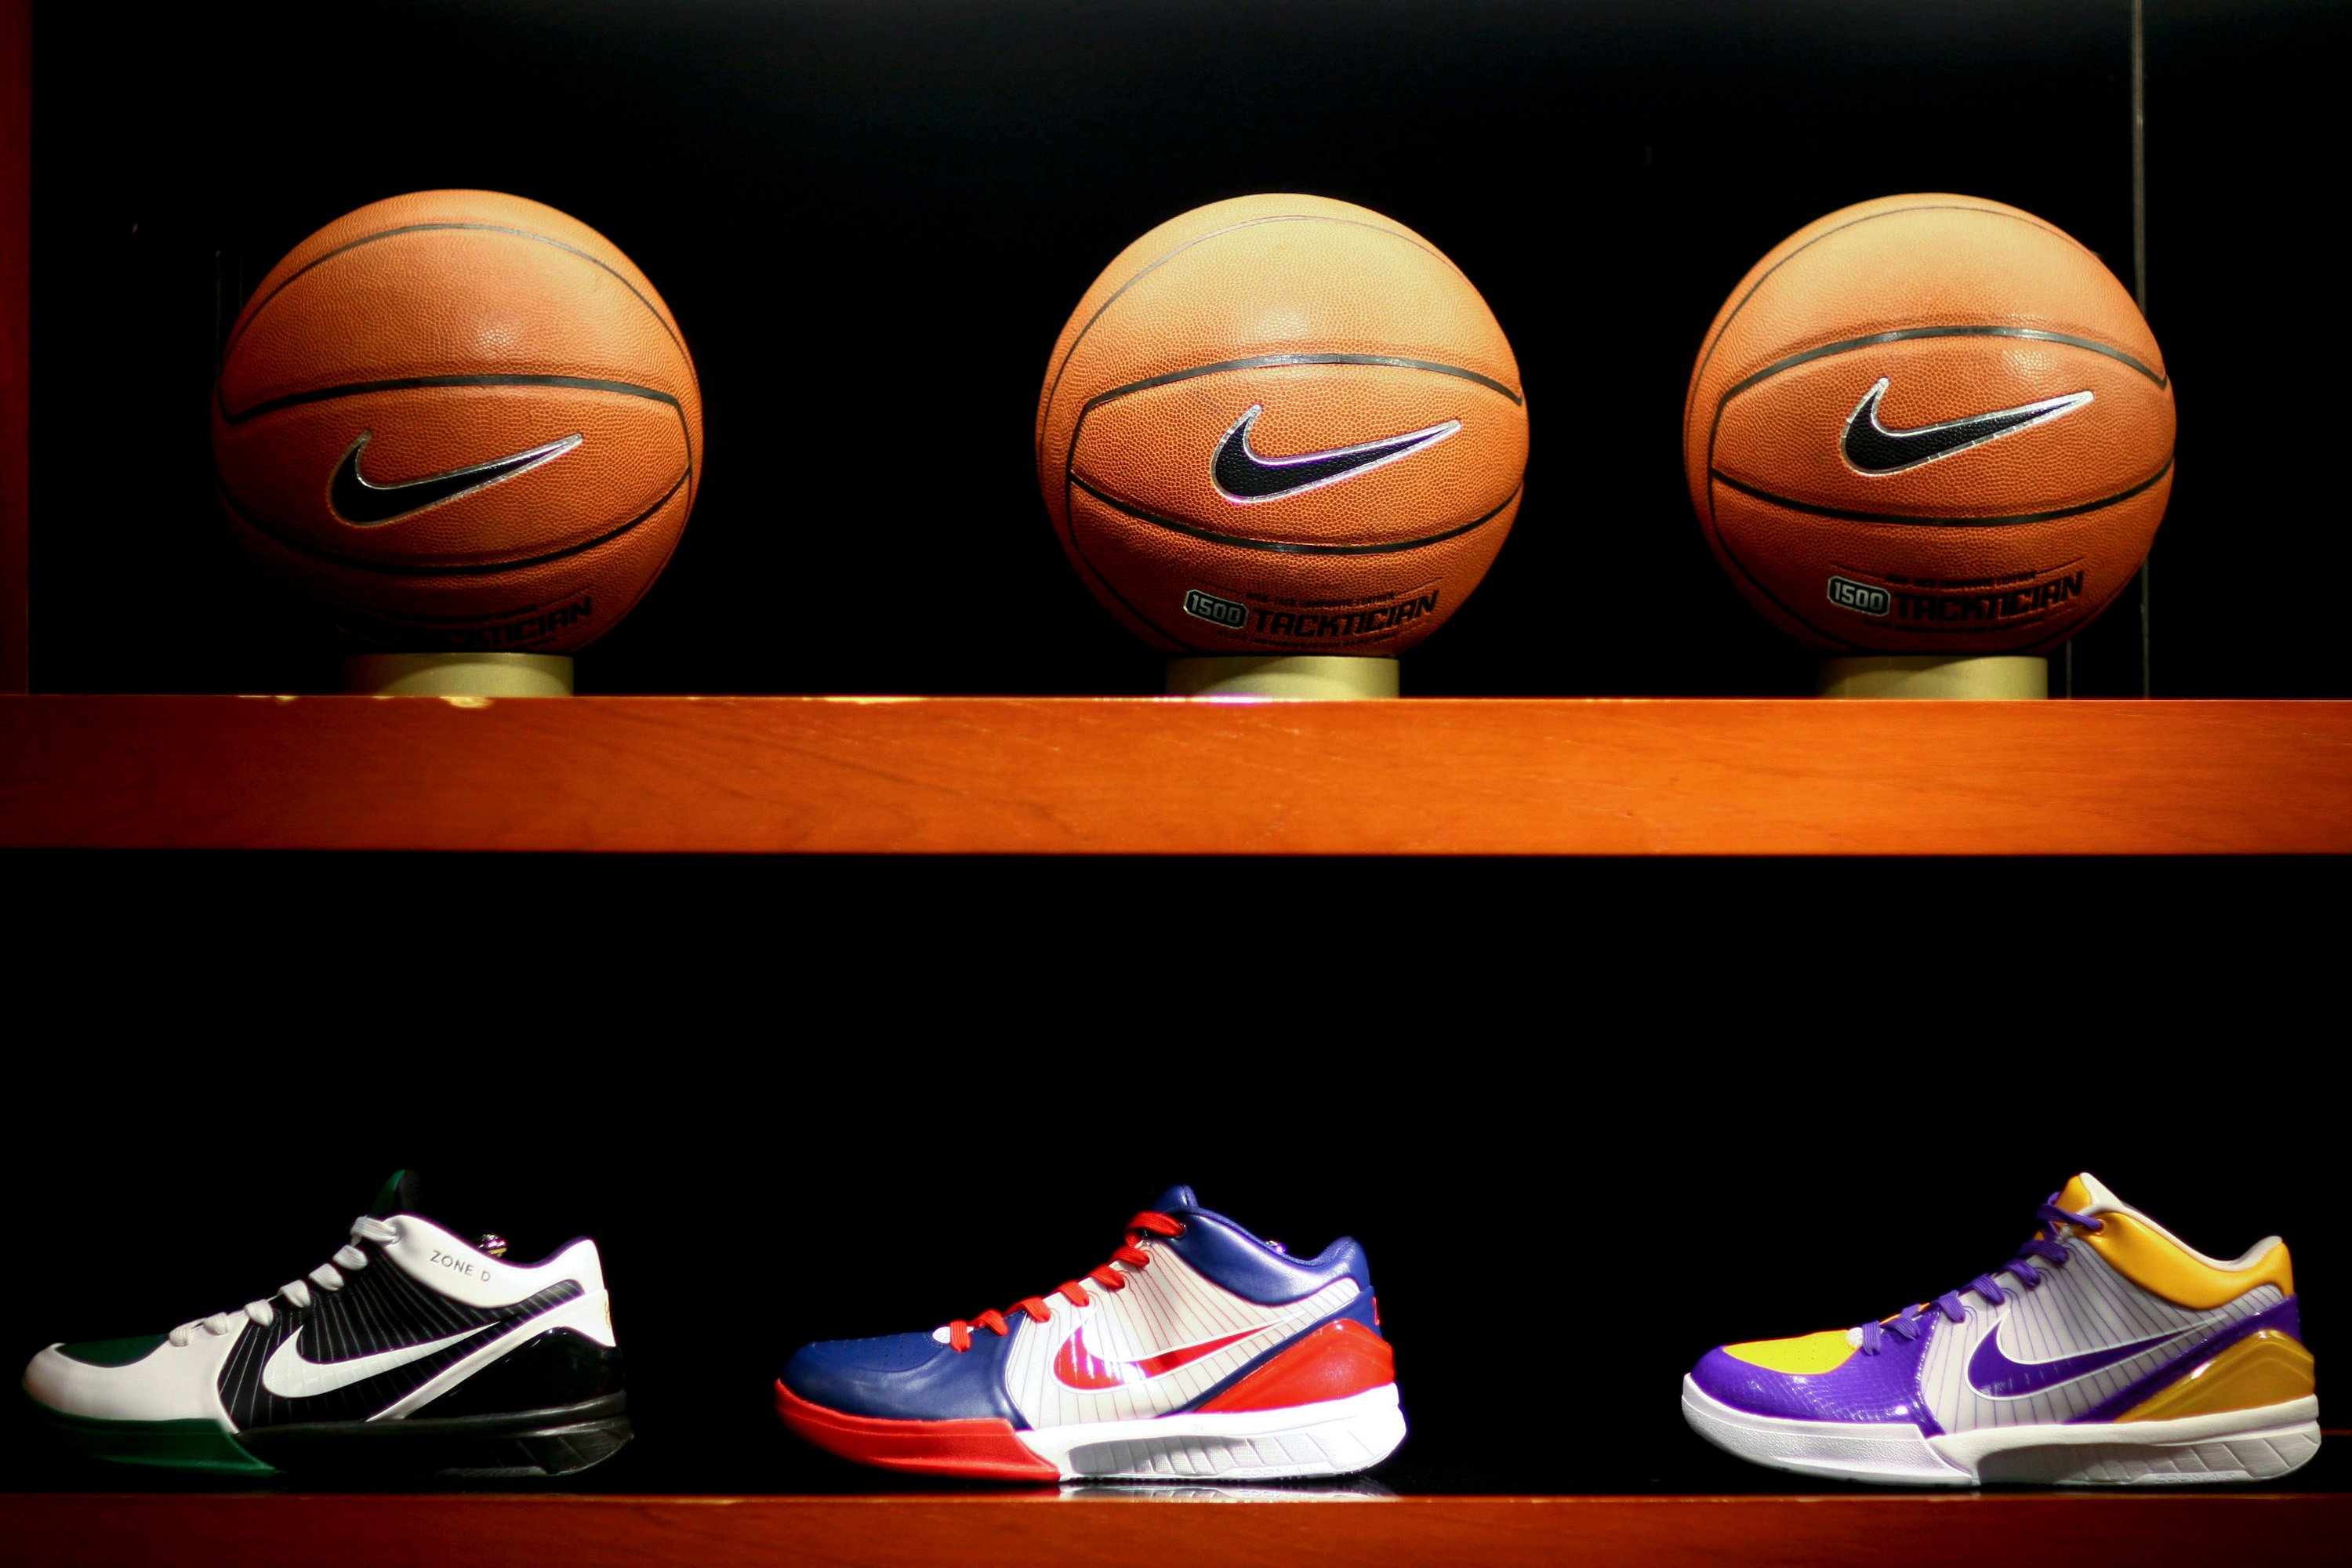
(291, 1375)
(1995, 1375)
(1076, 1367)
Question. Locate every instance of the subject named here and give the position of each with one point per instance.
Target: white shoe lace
(328, 1276)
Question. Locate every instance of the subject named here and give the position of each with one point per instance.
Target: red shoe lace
(1109, 1278)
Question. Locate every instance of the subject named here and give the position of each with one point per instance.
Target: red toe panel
(983, 1446)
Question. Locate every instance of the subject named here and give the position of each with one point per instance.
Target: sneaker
(1198, 1350)
(410, 1352)
(2107, 1352)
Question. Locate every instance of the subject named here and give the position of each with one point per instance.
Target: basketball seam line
(1837, 565)
(486, 569)
(1277, 547)
(1260, 362)
(239, 336)
(1070, 479)
(1920, 520)
(1132, 608)
(1715, 339)
(1913, 334)
(1054, 386)
(1068, 525)
(411, 383)
(410, 617)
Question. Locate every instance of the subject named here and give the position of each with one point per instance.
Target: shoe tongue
(2087, 1195)
(1176, 1197)
(399, 1195)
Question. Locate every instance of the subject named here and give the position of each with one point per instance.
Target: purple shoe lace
(1906, 1323)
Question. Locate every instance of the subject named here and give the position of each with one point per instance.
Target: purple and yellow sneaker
(2107, 1352)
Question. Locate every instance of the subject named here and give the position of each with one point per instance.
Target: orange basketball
(458, 420)
(1929, 424)
(1281, 425)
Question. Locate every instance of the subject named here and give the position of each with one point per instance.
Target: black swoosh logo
(1246, 476)
(358, 501)
(1872, 448)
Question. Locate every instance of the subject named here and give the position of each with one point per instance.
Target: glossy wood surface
(16, 333)
(1022, 1532)
(1148, 776)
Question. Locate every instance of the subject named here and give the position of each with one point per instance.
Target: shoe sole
(2257, 1445)
(560, 1441)
(1332, 1437)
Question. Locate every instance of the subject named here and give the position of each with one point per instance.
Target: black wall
(871, 219)
(1589, 1119)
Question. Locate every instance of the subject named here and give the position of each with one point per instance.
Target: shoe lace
(328, 1276)
(1131, 1256)
(1906, 1323)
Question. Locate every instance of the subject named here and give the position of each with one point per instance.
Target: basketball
(1932, 425)
(1281, 425)
(459, 421)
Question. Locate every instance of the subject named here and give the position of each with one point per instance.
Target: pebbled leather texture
(1961, 307)
(1876, 1388)
(525, 327)
(906, 1377)
(1342, 327)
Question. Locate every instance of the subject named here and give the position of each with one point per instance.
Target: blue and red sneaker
(1197, 1350)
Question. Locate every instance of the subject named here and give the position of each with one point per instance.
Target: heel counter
(2270, 1366)
(1341, 1358)
(593, 1313)
(581, 1260)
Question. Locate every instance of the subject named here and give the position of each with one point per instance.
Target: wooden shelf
(966, 775)
(1021, 1531)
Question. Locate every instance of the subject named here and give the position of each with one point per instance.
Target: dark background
(1589, 1119)
(871, 219)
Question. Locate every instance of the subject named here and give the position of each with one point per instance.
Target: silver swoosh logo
(289, 1375)
(1872, 448)
(1245, 474)
(360, 501)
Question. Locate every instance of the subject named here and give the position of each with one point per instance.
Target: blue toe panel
(906, 1377)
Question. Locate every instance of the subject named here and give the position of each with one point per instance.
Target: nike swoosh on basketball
(1995, 1375)
(359, 499)
(1076, 1367)
(1872, 448)
(289, 1374)
(1244, 475)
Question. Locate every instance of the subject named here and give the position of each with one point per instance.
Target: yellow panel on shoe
(2264, 1368)
(2151, 1261)
(2018, 1375)
(1807, 1355)
(2074, 1197)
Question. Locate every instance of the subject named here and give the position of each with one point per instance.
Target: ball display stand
(1302, 677)
(2008, 678)
(459, 675)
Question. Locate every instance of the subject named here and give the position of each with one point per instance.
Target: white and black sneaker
(411, 1353)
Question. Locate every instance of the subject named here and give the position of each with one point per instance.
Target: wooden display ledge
(964, 775)
(1024, 1531)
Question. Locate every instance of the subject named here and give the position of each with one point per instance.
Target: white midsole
(2256, 1444)
(1332, 1436)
